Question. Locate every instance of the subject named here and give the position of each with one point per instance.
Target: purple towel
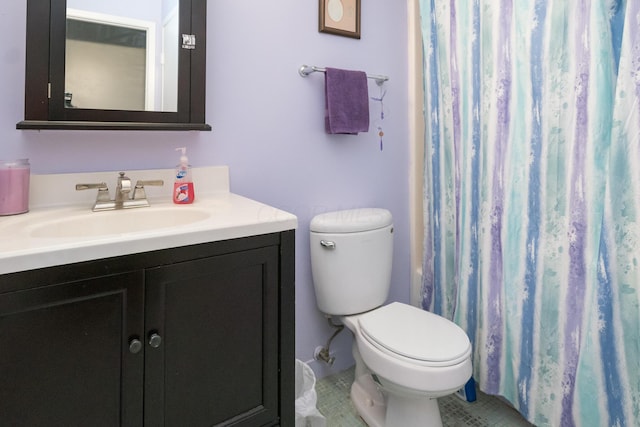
(347, 101)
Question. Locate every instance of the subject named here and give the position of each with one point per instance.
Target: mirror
(119, 64)
(117, 58)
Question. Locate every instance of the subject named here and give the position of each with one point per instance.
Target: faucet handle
(142, 183)
(100, 186)
(103, 190)
(102, 199)
(138, 191)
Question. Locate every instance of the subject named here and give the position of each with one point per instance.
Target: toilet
(405, 357)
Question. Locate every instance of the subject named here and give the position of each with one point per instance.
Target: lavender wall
(267, 126)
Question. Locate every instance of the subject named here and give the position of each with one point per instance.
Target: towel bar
(305, 70)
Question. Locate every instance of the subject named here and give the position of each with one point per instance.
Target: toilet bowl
(405, 357)
(408, 358)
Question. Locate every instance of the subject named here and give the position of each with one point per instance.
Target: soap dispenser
(183, 186)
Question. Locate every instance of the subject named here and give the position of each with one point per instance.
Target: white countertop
(229, 216)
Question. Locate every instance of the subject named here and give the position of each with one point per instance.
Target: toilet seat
(415, 336)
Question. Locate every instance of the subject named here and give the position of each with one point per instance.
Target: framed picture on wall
(340, 17)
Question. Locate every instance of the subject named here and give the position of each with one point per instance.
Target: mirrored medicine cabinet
(117, 64)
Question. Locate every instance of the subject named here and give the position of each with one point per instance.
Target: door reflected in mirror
(118, 58)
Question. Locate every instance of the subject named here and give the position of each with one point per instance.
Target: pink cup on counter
(14, 186)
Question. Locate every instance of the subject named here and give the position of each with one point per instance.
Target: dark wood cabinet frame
(44, 83)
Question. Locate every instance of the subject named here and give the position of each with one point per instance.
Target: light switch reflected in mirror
(115, 61)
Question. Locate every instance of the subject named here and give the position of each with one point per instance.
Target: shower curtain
(532, 199)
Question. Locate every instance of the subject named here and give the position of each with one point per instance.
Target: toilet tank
(351, 257)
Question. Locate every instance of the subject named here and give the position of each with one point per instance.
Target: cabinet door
(217, 362)
(64, 357)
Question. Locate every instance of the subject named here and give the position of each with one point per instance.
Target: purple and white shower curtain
(532, 199)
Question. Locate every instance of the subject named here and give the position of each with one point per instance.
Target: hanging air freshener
(378, 122)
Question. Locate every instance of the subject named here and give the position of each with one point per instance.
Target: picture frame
(340, 17)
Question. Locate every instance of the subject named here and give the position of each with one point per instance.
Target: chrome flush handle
(328, 244)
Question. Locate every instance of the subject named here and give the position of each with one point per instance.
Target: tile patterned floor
(486, 411)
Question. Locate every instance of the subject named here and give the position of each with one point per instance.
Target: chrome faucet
(123, 189)
(122, 200)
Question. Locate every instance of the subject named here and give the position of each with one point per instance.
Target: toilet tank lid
(351, 221)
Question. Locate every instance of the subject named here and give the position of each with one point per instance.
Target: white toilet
(405, 357)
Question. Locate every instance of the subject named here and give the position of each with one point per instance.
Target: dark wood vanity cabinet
(192, 336)
(62, 352)
(218, 360)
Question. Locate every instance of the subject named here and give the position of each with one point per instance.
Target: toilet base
(378, 410)
(368, 401)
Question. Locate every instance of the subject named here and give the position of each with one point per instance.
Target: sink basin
(117, 222)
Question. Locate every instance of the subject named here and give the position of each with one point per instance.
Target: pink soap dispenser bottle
(183, 193)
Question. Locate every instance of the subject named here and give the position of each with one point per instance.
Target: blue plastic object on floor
(468, 392)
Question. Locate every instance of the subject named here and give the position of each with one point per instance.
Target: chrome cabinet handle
(328, 244)
(135, 345)
(155, 340)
